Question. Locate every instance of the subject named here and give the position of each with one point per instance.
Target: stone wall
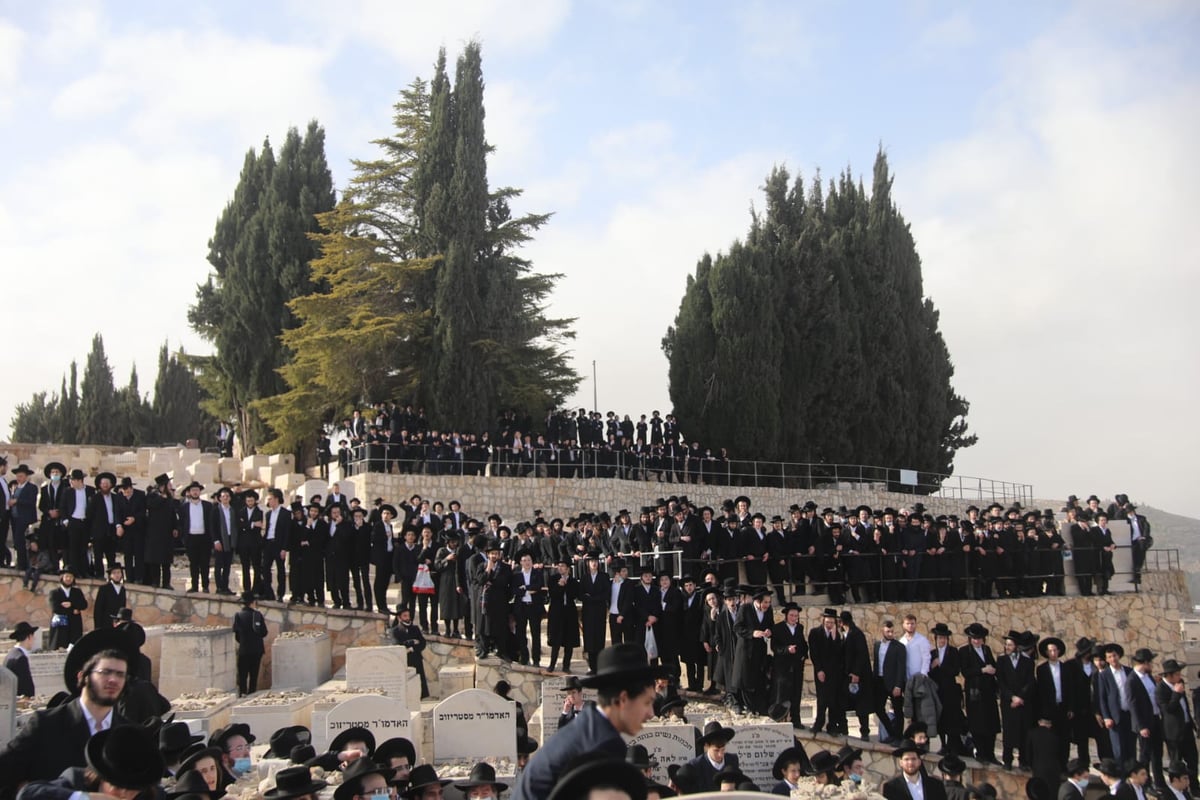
(516, 499)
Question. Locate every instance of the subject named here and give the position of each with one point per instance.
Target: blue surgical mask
(55, 477)
(241, 766)
(1081, 784)
(855, 777)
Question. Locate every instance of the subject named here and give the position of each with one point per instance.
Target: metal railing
(423, 459)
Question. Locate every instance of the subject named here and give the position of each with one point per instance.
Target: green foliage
(811, 339)
(98, 399)
(420, 294)
(177, 413)
(260, 253)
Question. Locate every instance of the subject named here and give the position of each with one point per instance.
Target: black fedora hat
(1110, 767)
(823, 761)
(1036, 788)
(395, 747)
(941, 629)
(1144, 655)
(639, 756)
(22, 469)
(526, 745)
(54, 465)
(847, 755)
(353, 734)
(1113, 647)
(89, 645)
(908, 746)
(190, 783)
(420, 777)
(731, 775)
(715, 731)
(22, 631)
(112, 479)
(976, 631)
(175, 737)
(592, 774)
(952, 765)
(126, 756)
(353, 774)
(196, 752)
(302, 754)
(221, 736)
(284, 739)
(1051, 640)
(482, 774)
(620, 663)
(293, 782)
(1171, 666)
(786, 756)
(1084, 647)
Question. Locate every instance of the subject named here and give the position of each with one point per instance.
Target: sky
(1043, 153)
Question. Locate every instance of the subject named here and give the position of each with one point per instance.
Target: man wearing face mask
(53, 531)
(234, 741)
(1074, 787)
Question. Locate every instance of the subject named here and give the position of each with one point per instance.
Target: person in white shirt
(917, 648)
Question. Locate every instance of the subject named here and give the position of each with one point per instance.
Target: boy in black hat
(624, 681)
(17, 660)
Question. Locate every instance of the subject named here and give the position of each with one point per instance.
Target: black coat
(980, 690)
(595, 594)
(451, 601)
(895, 789)
(108, 601)
(50, 742)
(562, 627)
(61, 637)
(162, 525)
(750, 653)
(249, 629)
(689, 633)
(18, 664)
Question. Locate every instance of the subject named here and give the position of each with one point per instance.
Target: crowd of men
(583, 444)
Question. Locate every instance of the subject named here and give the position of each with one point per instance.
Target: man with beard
(826, 648)
(162, 531)
(110, 598)
(979, 683)
(53, 531)
(690, 651)
(858, 672)
(944, 671)
(54, 739)
(492, 579)
(67, 605)
(789, 649)
(596, 594)
(131, 530)
(195, 525)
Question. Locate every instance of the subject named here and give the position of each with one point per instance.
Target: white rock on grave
(384, 717)
(667, 744)
(8, 705)
(384, 668)
(474, 724)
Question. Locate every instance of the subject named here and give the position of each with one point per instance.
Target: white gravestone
(302, 662)
(8, 705)
(383, 668)
(757, 746)
(553, 697)
(384, 717)
(474, 724)
(46, 669)
(667, 744)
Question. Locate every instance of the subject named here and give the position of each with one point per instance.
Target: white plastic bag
(651, 644)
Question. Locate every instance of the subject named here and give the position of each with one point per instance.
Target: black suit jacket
(537, 589)
(50, 742)
(1171, 704)
(895, 789)
(106, 604)
(18, 664)
(1046, 703)
(895, 665)
(1141, 704)
(1069, 791)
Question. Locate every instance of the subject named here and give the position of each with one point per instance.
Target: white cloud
(953, 31)
(12, 48)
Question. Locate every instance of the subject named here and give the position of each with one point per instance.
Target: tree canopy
(811, 340)
(418, 292)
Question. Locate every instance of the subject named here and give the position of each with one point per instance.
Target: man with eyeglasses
(234, 741)
(54, 739)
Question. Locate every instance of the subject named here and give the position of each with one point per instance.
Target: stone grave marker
(757, 745)
(553, 697)
(384, 717)
(8, 705)
(300, 659)
(47, 670)
(383, 668)
(197, 657)
(474, 724)
(667, 743)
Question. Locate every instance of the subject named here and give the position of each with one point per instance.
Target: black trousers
(222, 566)
(199, 551)
(529, 617)
(786, 686)
(1183, 751)
(695, 673)
(271, 557)
(893, 726)
(133, 545)
(1150, 750)
(247, 671)
(251, 559)
(383, 578)
(618, 632)
(831, 701)
(361, 573)
(153, 573)
(77, 545)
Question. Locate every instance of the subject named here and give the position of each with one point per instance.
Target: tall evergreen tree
(97, 399)
(811, 340)
(177, 411)
(34, 421)
(422, 297)
(260, 253)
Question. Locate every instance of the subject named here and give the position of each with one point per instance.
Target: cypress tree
(97, 399)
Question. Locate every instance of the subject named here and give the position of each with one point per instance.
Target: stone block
(196, 658)
(152, 649)
(254, 462)
(230, 470)
(288, 482)
(313, 486)
(286, 460)
(668, 743)
(301, 659)
(474, 724)
(47, 670)
(385, 717)
(757, 745)
(88, 459)
(553, 697)
(454, 679)
(188, 454)
(384, 668)
(204, 712)
(8, 705)
(203, 472)
(267, 712)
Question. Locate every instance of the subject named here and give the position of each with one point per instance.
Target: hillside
(1172, 531)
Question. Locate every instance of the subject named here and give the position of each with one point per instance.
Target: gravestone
(196, 658)
(667, 743)
(300, 660)
(474, 724)
(267, 712)
(553, 697)
(46, 668)
(384, 717)
(8, 705)
(757, 745)
(383, 668)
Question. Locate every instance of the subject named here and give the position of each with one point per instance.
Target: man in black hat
(1059, 693)
(101, 521)
(492, 579)
(67, 605)
(979, 685)
(162, 531)
(249, 630)
(888, 680)
(17, 659)
(1112, 698)
(196, 529)
(22, 509)
(789, 650)
(713, 760)
(624, 682)
(110, 597)
(52, 530)
(1146, 716)
(1178, 783)
(952, 769)
(121, 762)
(234, 741)
(131, 504)
(54, 739)
(1178, 720)
(859, 686)
(752, 630)
(1076, 784)
(1015, 682)
(912, 781)
(826, 648)
(481, 783)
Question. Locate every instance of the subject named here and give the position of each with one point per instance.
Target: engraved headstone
(553, 697)
(384, 717)
(667, 744)
(474, 724)
(383, 668)
(757, 745)
(8, 705)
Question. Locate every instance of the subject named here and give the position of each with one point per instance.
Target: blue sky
(1043, 153)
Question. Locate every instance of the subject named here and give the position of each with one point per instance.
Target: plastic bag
(424, 582)
(651, 644)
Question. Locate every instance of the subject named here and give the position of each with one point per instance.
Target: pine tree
(34, 421)
(811, 341)
(177, 411)
(97, 399)
(260, 253)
